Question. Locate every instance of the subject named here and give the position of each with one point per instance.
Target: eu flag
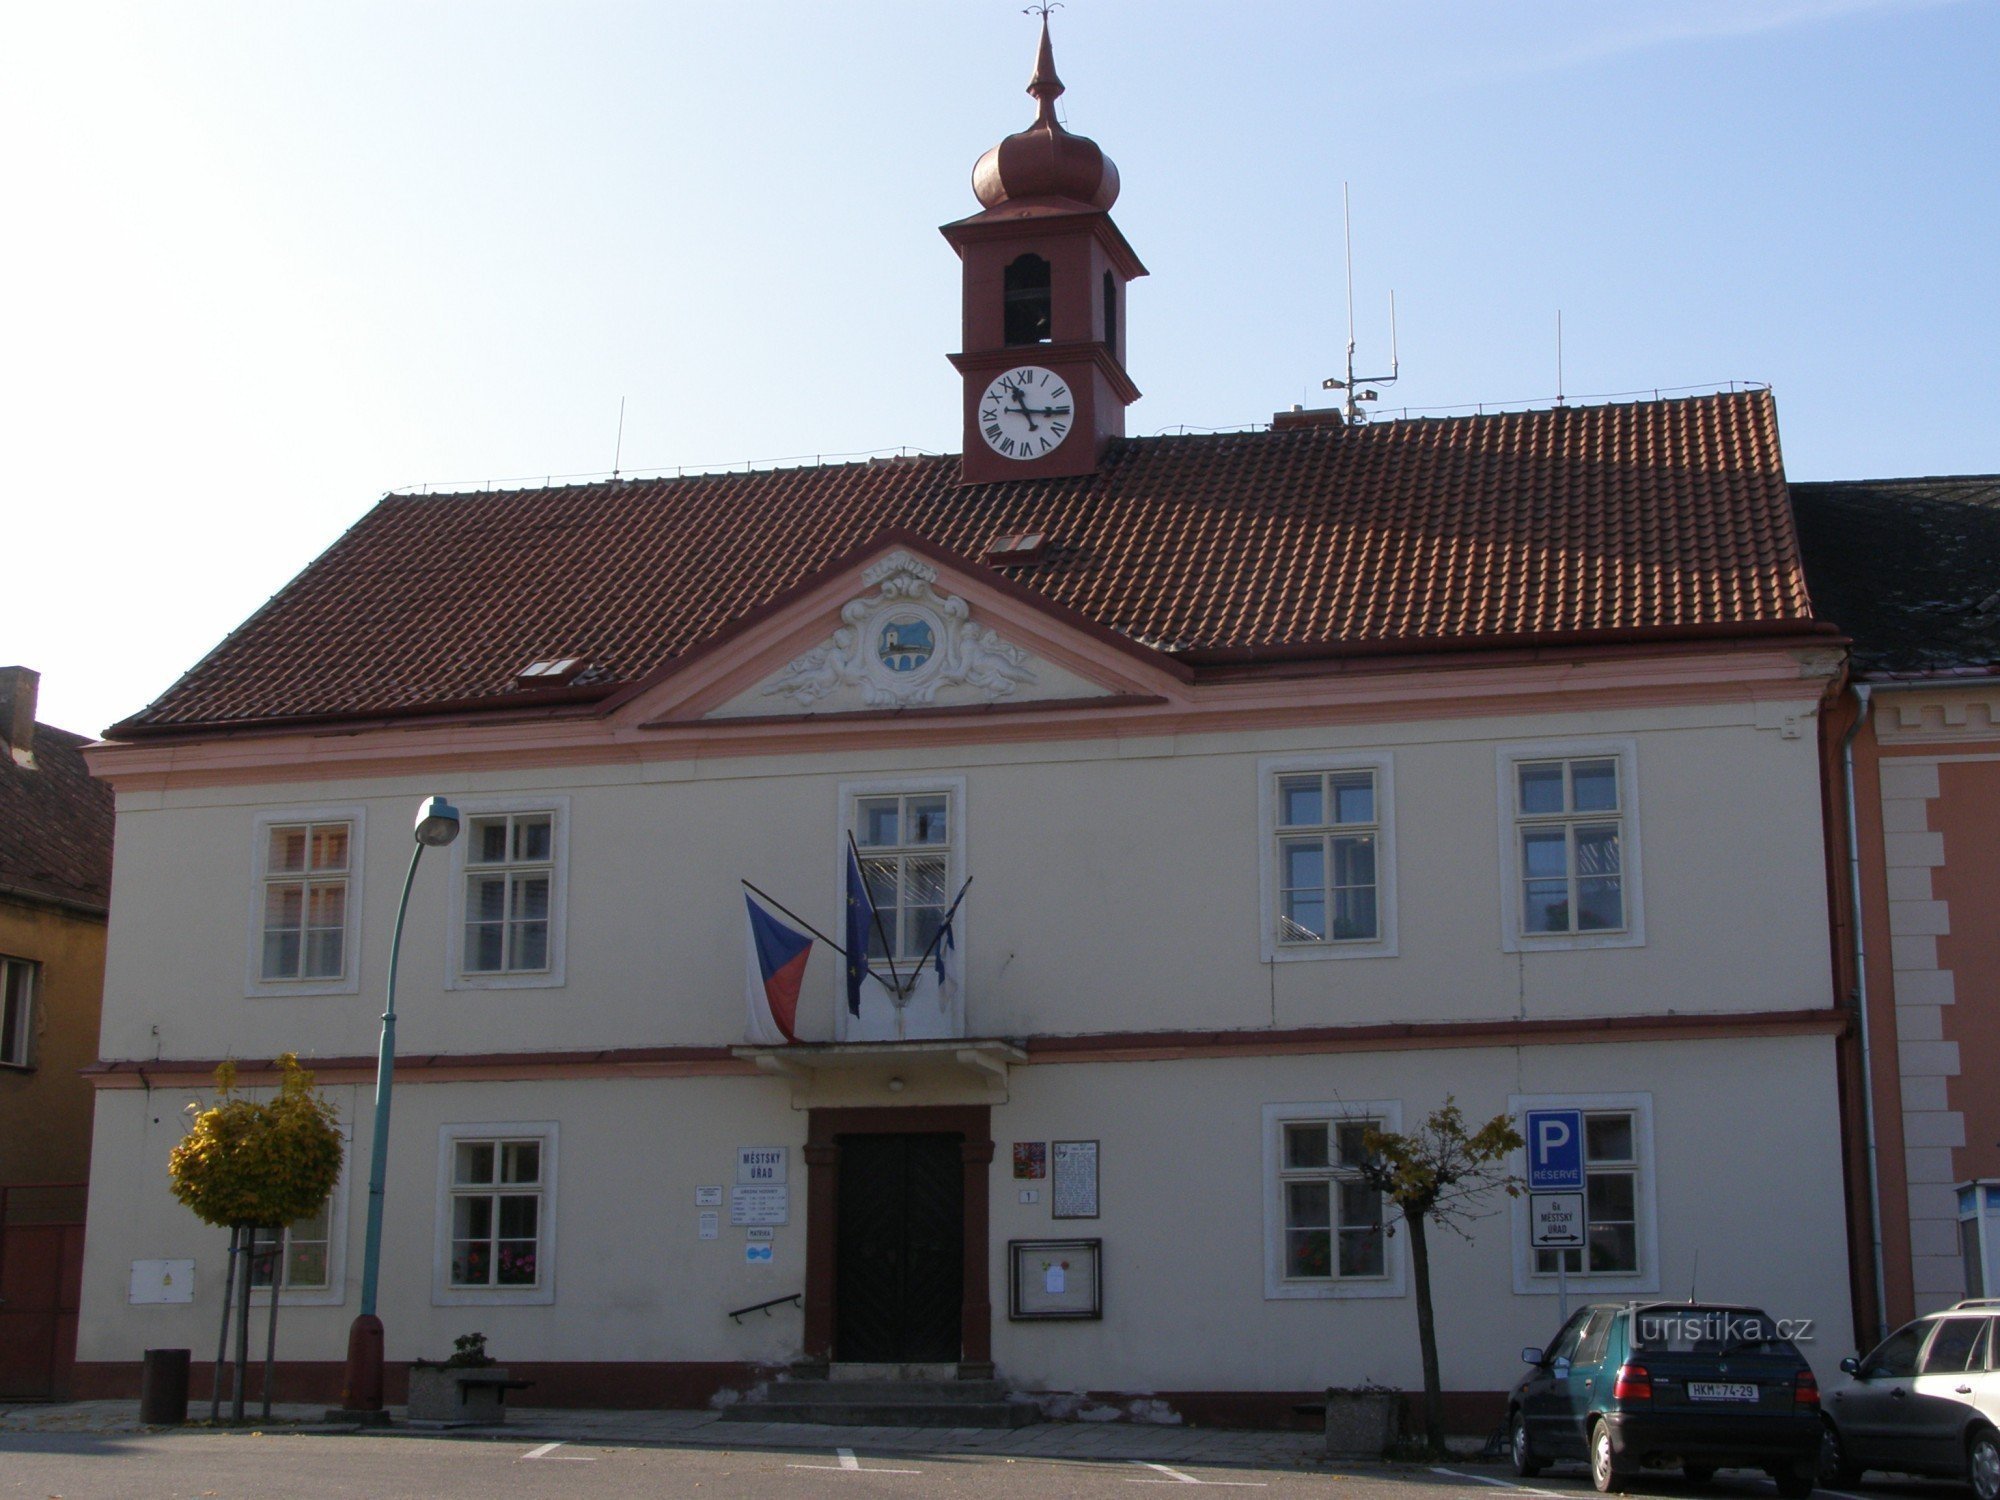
(860, 928)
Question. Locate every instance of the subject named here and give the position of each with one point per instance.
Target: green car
(1701, 1387)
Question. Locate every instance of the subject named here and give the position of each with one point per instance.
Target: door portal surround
(973, 1124)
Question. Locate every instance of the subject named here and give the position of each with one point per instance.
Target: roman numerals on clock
(1025, 413)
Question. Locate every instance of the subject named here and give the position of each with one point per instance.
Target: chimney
(1299, 416)
(18, 687)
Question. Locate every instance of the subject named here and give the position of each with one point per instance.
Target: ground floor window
(1325, 1228)
(1619, 1250)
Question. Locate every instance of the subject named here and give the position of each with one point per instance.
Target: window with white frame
(905, 844)
(1325, 1229)
(17, 1012)
(496, 1212)
(1568, 816)
(301, 1250)
(1333, 1220)
(510, 861)
(1569, 835)
(1328, 870)
(307, 869)
(1328, 832)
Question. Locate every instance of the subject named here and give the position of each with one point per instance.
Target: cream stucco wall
(1742, 1173)
(1117, 888)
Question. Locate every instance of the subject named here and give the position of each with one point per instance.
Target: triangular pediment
(899, 627)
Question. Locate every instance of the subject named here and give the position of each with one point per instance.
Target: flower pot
(1362, 1424)
(437, 1395)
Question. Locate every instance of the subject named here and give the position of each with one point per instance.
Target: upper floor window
(905, 840)
(305, 900)
(1571, 845)
(1026, 301)
(510, 865)
(510, 869)
(1327, 833)
(1329, 858)
(17, 1011)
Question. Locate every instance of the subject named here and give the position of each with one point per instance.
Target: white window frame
(24, 1022)
(334, 1293)
(1508, 758)
(1383, 945)
(255, 985)
(1277, 1286)
(1529, 1282)
(554, 976)
(851, 795)
(443, 1292)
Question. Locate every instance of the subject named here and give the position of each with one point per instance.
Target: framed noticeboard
(1055, 1279)
(1073, 1188)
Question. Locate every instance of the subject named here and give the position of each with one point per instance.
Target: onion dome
(1045, 160)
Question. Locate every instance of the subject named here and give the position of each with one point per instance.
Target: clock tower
(1045, 270)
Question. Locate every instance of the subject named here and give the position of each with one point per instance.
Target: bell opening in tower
(1111, 314)
(1026, 300)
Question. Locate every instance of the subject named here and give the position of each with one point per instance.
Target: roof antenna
(618, 452)
(1351, 405)
(1694, 1276)
(1559, 386)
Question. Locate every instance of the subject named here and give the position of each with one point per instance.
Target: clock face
(1026, 412)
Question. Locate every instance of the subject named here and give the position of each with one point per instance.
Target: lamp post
(361, 1395)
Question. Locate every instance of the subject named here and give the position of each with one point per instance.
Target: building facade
(55, 889)
(1911, 570)
(1304, 779)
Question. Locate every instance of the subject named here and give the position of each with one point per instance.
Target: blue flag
(860, 929)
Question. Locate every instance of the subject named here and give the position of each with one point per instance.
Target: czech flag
(774, 965)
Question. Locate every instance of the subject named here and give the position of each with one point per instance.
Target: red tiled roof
(55, 823)
(1575, 520)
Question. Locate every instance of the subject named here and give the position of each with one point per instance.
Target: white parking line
(1505, 1484)
(849, 1464)
(548, 1450)
(1175, 1476)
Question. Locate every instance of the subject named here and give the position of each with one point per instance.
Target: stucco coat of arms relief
(903, 644)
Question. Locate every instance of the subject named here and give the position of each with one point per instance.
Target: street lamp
(361, 1395)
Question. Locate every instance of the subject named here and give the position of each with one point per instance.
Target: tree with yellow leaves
(1436, 1174)
(246, 1165)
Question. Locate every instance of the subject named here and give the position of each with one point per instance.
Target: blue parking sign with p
(1555, 1150)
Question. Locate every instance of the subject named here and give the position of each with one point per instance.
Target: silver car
(1925, 1401)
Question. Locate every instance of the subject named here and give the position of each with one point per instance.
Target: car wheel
(1528, 1463)
(1698, 1473)
(1835, 1467)
(1983, 1464)
(1604, 1470)
(1794, 1481)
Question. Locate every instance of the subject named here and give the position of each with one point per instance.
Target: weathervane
(1043, 9)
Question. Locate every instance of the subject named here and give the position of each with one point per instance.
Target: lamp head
(437, 823)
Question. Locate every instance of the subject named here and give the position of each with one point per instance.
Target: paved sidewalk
(702, 1429)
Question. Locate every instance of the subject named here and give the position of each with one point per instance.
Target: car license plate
(1715, 1390)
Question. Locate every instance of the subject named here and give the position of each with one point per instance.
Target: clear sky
(263, 262)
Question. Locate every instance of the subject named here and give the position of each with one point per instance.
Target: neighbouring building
(1305, 777)
(55, 889)
(1910, 569)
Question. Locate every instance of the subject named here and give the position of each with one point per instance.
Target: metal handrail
(765, 1307)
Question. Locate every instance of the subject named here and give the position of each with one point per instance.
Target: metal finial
(1045, 86)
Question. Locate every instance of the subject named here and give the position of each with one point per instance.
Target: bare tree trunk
(222, 1338)
(1420, 1263)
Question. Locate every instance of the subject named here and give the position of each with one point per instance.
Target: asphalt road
(284, 1465)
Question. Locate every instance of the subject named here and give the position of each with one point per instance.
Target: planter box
(437, 1396)
(1362, 1424)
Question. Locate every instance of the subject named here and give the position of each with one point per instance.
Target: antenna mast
(1351, 404)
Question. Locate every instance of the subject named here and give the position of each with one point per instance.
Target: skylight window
(1017, 547)
(553, 669)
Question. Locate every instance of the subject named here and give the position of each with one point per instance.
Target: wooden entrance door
(901, 1248)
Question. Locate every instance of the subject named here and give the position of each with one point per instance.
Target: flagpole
(888, 948)
(795, 917)
(949, 913)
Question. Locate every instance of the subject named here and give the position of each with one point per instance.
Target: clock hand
(1021, 404)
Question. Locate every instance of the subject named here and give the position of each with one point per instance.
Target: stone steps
(886, 1403)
